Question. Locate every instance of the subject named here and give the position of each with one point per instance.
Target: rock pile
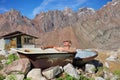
(96, 70)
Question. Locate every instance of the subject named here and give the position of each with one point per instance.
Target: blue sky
(30, 8)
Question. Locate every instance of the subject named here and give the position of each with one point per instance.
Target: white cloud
(78, 2)
(57, 4)
(3, 10)
(73, 4)
(41, 7)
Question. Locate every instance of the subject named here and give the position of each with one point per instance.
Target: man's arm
(70, 50)
(46, 47)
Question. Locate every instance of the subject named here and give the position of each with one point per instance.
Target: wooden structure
(18, 39)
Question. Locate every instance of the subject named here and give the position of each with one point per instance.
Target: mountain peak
(85, 9)
(67, 11)
(13, 11)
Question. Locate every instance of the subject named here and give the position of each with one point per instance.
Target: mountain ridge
(86, 28)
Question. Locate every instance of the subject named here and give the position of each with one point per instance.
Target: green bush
(28, 79)
(11, 58)
(2, 57)
(11, 77)
(1, 66)
(66, 77)
(85, 78)
(117, 72)
(101, 68)
(2, 77)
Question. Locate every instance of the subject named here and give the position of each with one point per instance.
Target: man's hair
(68, 41)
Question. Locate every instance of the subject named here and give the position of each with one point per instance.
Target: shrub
(85, 78)
(66, 77)
(117, 72)
(11, 77)
(11, 58)
(2, 77)
(1, 66)
(2, 57)
(28, 79)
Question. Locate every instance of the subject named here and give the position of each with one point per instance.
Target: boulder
(115, 77)
(90, 68)
(15, 77)
(35, 74)
(12, 51)
(69, 69)
(52, 72)
(3, 52)
(20, 76)
(20, 65)
(107, 74)
(107, 65)
(99, 78)
(113, 57)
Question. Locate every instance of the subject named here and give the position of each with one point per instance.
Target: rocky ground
(113, 64)
(104, 67)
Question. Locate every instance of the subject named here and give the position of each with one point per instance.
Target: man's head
(67, 43)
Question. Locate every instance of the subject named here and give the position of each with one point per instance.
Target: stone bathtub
(45, 58)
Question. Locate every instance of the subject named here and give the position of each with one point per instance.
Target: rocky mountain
(52, 20)
(86, 28)
(101, 29)
(14, 21)
(58, 26)
(96, 29)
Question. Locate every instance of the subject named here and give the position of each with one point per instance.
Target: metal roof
(14, 34)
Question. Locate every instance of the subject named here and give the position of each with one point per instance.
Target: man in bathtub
(65, 48)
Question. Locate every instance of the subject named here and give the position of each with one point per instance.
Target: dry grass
(113, 65)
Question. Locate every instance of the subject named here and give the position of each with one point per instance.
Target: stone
(35, 74)
(20, 65)
(89, 75)
(3, 61)
(90, 68)
(52, 72)
(20, 76)
(15, 77)
(79, 71)
(12, 51)
(115, 78)
(69, 69)
(107, 65)
(112, 57)
(99, 78)
(107, 74)
(3, 52)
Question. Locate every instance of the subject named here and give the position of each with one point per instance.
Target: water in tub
(84, 53)
(38, 50)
